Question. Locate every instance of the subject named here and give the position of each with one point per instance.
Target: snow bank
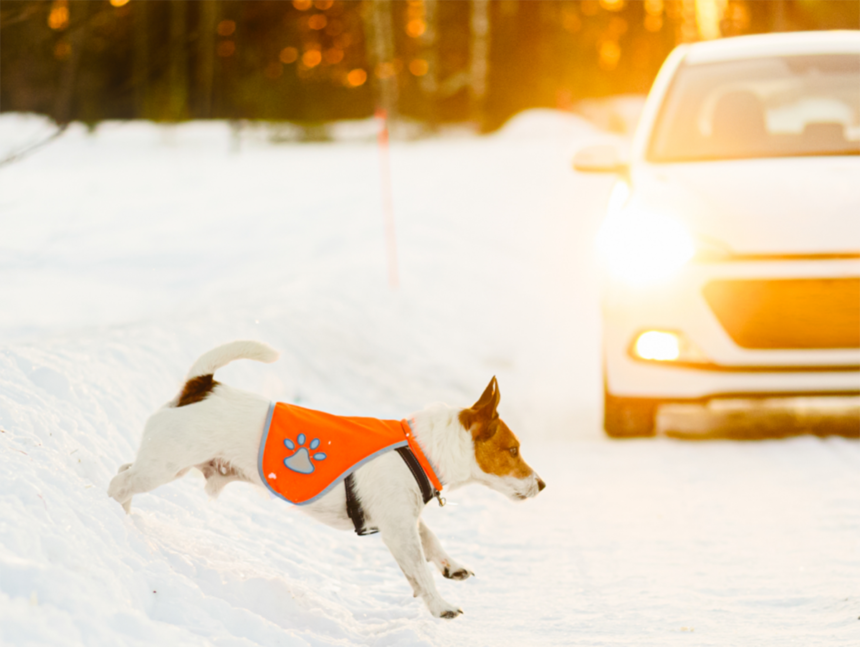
(134, 248)
(179, 570)
(544, 123)
(617, 114)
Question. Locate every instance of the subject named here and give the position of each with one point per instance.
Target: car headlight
(666, 346)
(642, 248)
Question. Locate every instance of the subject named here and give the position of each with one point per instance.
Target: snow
(619, 113)
(127, 252)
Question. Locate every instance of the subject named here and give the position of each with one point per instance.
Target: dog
(219, 430)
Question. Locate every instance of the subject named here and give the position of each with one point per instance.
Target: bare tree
(379, 32)
(141, 59)
(77, 36)
(65, 92)
(21, 13)
(688, 30)
(479, 56)
(178, 84)
(430, 52)
(206, 55)
(475, 77)
(780, 16)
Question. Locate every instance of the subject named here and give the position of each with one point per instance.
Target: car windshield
(765, 107)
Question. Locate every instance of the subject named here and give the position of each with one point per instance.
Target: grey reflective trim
(263, 445)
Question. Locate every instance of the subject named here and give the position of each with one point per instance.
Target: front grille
(788, 314)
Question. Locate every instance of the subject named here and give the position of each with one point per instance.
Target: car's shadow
(761, 420)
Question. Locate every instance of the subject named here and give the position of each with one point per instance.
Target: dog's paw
(442, 609)
(461, 573)
(454, 571)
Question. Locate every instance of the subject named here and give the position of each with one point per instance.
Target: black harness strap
(353, 507)
(427, 489)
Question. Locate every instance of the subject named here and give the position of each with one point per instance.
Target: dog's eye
(514, 451)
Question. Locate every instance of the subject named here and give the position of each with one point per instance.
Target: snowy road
(126, 254)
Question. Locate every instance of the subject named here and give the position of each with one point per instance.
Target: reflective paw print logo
(301, 461)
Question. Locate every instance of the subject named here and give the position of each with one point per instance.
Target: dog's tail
(199, 383)
(210, 362)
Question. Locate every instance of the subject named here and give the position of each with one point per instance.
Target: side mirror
(604, 158)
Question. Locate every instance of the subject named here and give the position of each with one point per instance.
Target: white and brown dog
(219, 430)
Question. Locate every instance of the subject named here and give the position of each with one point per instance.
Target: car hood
(767, 206)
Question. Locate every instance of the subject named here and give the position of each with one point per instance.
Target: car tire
(629, 417)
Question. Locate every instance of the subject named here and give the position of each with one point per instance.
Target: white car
(731, 243)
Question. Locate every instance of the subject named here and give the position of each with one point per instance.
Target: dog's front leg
(405, 545)
(436, 554)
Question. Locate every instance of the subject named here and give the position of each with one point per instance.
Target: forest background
(313, 61)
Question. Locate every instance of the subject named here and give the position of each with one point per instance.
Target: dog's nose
(541, 484)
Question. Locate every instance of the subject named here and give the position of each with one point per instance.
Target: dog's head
(498, 462)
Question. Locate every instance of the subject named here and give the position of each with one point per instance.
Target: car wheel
(629, 417)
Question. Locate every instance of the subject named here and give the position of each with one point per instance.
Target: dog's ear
(483, 411)
(489, 398)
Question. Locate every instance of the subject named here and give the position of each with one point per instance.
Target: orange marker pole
(387, 197)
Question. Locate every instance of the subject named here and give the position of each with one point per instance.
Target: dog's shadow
(761, 420)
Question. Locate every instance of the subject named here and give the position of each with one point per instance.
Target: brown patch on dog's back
(196, 389)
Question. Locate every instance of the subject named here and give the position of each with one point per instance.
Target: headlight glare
(658, 345)
(667, 346)
(644, 248)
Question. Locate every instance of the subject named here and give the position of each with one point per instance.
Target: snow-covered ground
(127, 253)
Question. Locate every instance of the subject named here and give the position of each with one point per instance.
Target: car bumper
(726, 369)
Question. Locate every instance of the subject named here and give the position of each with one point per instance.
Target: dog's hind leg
(134, 479)
(434, 552)
(116, 488)
(219, 473)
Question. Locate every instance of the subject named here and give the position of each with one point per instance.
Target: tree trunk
(780, 17)
(206, 56)
(688, 29)
(63, 104)
(430, 52)
(480, 57)
(379, 34)
(141, 60)
(178, 84)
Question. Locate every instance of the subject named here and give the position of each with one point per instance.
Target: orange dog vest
(305, 453)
